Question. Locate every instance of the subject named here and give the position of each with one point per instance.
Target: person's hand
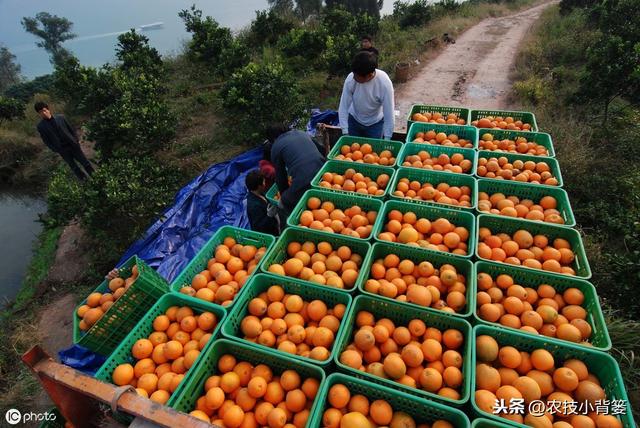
(114, 273)
(272, 210)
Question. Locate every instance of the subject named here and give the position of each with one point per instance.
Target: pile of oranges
(352, 181)
(540, 311)
(99, 303)
(227, 271)
(501, 123)
(439, 234)
(433, 137)
(321, 264)
(524, 171)
(523, 248)
(417, 356)
(443, 162)
(506, 373)
(418, 283)
(244, 395)
(325, 216)
(435, 117)
(520, 145)
(291, 324)
(512, 206)
(167, 354)
(346, 410)
(364, 154)
(441, 193)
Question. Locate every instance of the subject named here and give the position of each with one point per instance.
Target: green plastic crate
(371, 171)
(601, 364)
(278, 253)
(437, 258)
(463, 113)
(193, 384)
(431, 213)
(435, 178)
(534, 192)
(272, 195)
(524, 116)
(422, 411)
(107, 333)
(552, 162)
(341, 201)
(378, 146)
(486, 423)
(467, 132)
(501, 224)
(402, 314)
(541, 138)
(144, 328)
(57, 421)
(528, 278)
(200, 260)
(435, 150)
(260, 283)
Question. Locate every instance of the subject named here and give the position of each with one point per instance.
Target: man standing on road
(366, 44)
(367, 104)
(58, 134)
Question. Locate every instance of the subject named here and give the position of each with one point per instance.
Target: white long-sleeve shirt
(368, 102)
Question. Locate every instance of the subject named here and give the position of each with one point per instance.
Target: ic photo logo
(13, 416)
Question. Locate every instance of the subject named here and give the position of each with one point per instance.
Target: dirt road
(472, 72)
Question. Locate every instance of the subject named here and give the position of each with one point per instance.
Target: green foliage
(370, 7)
(133, 51)
(532, 91)
(339, 21)
(412, 14)
(302, 42)
(306, 8)
(117, 203)
(10, 108)
(85, 90)
(283, 7)
(139, 121)
(9, 69)
(53, 31)
(268, 27)
(26, 90)
(259, 94)
(339, 53)
(208, 40)
(233, 57)
(446, 6)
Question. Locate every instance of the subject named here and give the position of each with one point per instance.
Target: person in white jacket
(367, 103)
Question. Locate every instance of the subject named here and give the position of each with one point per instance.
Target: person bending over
(295, 155)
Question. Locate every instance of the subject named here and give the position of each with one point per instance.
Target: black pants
(73, 155)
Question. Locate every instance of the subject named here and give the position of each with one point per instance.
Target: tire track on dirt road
(472, 72)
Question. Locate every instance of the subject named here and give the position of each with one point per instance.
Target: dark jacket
(372, 50)
(295, 154)
(257, 213)
(57, 133)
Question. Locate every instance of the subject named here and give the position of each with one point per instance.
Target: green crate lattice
(435, 150)
(541, 138)
(371, 171)
(524, 116)
(554, 166)
(466, 132)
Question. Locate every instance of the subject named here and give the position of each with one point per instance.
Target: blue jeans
(356, 129)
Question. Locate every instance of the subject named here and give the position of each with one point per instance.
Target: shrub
(208, 39)
(24, 91)
(233, 57)
(339, 53)
(118, 202)
(338, 21)
(133, 51)
(301, 42)
(259, 94)
(139, 121)
(268, 27)
(10, 108)
(412, 14)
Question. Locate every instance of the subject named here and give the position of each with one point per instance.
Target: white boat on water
(153, 26)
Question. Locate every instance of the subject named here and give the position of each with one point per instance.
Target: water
(98, 23)
(18, 231)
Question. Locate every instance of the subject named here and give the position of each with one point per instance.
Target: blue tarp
(213, 199)
(328, 117)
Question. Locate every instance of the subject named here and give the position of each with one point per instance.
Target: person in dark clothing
(58, 134)
(258, 206)
(294, 154)
(366, 44)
